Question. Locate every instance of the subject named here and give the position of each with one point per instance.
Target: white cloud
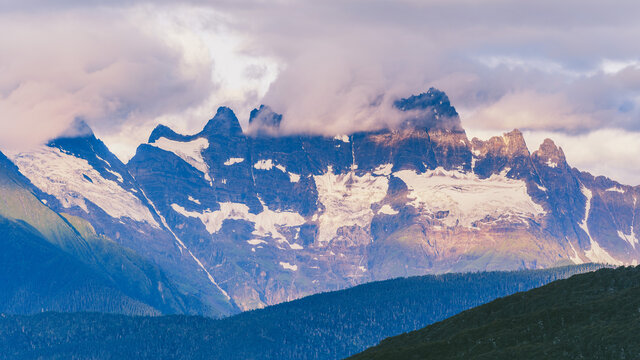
(609, 152)
(530, 110)
(93, 65)
(330, 66)
(201, 35)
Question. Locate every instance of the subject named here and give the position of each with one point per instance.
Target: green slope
(38, 276)
(589, 316)
(123, 269)
(324, 326)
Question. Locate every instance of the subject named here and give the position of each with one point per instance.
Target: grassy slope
(589, 316)
(125, 270)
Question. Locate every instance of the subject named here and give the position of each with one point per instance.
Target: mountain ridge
(263, 217)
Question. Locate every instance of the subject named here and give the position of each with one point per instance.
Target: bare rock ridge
(264, 218)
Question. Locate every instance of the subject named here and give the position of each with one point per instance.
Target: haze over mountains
(227, 220)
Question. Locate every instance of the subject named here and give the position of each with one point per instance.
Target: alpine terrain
(232, 219)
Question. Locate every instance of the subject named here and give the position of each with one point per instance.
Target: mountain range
(228, 219)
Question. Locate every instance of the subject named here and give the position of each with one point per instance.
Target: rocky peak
(550, 154)
(515, 144)
(223, 123)
(78, 129)
(431, 110)
(78, 139)
(508, 145)
(264, 121)
(432, 98)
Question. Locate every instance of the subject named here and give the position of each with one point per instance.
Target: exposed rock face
(272, 218)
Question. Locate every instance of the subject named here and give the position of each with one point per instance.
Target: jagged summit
(224, 122)
(430, 110)
(254, 220)
(265, 115)
(78, 132)
(510, 144)
(78, 128)
(264, 121)
(550, 154)
(432, 98)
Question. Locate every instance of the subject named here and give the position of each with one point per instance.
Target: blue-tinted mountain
(105, 246)
(419, 198)
(244, 219)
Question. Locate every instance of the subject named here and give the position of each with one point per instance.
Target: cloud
(96, 66)
(609, 152)
(490, 57)
(568, 69)
(530, 110)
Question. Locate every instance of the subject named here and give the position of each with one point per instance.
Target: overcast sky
(568, 70)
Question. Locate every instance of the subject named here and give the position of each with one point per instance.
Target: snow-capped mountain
(264, 218)
(80, 177)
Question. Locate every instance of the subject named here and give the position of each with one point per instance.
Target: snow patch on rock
(347, 200)
(264, 164)
(388, 210)
(631, 238)
(343, 138)
(266, 222)
(288, 266)
(466, 197)
(294, 178)
(269, 164)
(596, 253)
(384, 169)
(189, 151)
(575, 258)
(599, 255)
(616, 189)
(117, 175)
(64, 176)
(295, 246)
(232, 161)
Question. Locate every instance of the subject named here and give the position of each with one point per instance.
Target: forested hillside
(37, 275)
(589, 316)
(324, 326)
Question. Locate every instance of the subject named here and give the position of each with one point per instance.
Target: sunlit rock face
(271, 218)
